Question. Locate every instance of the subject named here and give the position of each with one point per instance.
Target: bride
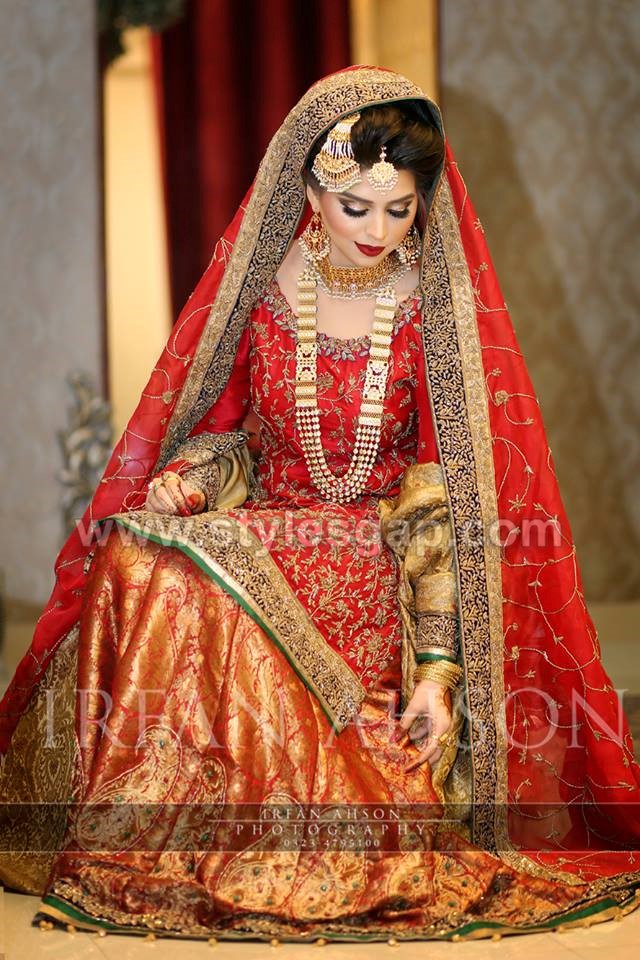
(317, 663)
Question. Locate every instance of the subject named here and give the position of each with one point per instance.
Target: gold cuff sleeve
(416, 526)
(221, 467)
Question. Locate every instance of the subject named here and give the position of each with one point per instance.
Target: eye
(351, 212)
(400, 214)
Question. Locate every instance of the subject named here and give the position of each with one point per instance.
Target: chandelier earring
(314, 240)
(410, 248)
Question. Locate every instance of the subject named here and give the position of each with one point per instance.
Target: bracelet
(446, 673)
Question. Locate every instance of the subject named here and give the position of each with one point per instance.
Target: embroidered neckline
(342, 348)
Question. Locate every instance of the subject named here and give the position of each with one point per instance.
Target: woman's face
(363, 217)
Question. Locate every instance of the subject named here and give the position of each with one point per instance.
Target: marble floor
(618, 631)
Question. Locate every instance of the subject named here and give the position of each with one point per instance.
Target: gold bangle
(450, 674)
(445, 673)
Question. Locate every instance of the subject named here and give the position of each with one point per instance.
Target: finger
(195, 499)
(420, 728)
(403, 728)
(431, 758)
(410, 736)
(154, 504)
(409, 715)
(183, 503)
(441, 727)
(173, 487)
(165, 499)
(405, 722)
(398, 735)
(431, 752)
(433, 749)
(187, 490)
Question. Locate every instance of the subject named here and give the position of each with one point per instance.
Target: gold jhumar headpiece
(335, 168)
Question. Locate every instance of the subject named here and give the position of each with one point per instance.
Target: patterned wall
(540, 102)
(49, 273)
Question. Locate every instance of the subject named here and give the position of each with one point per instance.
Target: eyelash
(398, 214)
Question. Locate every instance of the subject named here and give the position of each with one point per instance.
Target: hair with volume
(412, 142)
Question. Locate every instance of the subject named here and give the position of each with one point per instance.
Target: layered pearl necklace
(352, 483)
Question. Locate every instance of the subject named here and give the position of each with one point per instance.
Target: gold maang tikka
(383, 176)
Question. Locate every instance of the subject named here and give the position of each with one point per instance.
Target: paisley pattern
(210, 730)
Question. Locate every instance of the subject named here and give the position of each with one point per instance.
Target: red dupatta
(565, 754)
(544, 729)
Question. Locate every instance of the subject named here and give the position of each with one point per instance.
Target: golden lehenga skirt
(187, 710)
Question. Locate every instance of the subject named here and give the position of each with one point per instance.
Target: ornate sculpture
(86, 446)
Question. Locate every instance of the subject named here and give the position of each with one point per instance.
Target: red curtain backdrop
(226, 76)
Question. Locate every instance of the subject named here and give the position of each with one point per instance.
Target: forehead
(366, 191)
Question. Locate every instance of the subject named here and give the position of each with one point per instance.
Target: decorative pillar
(399, 34)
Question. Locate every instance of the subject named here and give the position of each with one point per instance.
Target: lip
(369, 251)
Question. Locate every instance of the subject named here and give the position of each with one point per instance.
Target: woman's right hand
(428, 714)
(170, 495)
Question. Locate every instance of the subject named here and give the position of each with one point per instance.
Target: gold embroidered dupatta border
(459, 408)
(41, 768)
(234, 557)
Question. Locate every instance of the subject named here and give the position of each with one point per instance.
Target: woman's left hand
(169, 494)
(432, 703)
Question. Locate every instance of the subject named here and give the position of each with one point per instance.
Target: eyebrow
(352, 196)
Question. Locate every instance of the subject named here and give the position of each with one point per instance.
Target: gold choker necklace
(353, 283)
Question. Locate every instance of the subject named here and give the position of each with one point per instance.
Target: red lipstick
(369, 251)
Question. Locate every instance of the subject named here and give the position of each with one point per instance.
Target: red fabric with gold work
(564, 746)
(332, 555)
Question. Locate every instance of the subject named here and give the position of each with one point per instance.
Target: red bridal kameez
(215, 694)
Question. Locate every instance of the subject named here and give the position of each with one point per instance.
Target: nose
(378, 227)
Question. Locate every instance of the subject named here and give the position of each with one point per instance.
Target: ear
(313, 198)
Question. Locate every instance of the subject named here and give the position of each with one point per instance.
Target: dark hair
(413, 143)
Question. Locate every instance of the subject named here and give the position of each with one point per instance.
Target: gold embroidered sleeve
(218, 464)
(417, 527)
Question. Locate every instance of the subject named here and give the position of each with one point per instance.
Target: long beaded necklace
(352, 483)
